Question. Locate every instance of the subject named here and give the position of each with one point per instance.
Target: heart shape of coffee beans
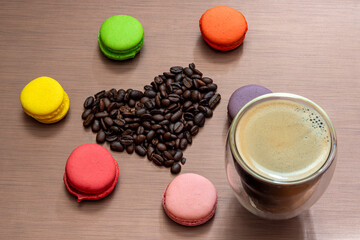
(159, 122)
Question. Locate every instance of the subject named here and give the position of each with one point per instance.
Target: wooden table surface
(310, 48)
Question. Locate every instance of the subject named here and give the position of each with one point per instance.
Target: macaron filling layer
(120, 54)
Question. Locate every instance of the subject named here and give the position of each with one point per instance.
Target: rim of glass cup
(293, 97)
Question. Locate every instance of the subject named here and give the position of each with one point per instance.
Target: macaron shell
(90, 169)
(83, 196)
(56, 116)
(190, 199)
(42, 96)
(121, 32)
(223, 26)
(118, 55)
(61, 114)
(242, 96)
(225, 48)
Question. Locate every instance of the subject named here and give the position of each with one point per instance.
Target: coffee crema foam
(283, 140)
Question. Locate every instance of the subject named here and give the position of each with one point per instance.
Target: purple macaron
(242, 96)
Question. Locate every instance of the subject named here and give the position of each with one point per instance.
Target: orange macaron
(223, 28)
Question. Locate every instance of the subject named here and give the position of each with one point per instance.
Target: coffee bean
(189, 125)
(100, 137)
(188, 71)
(207, 80)
(169, 75)
(195, 96)
(187, 82)
(174, 98)
(187, 94)
(136, 95)
(187, 104)
(199, 119)
(158, 117)
(108, 121)
(183, 144)
(194, 130)
(111, 138)
(161, 147)
(150, 135)
(178, 77)
(115, 129)
(176, 168)
(164, 122)
(208, 95)
(85, 114)
(165, 102)
(183, 161)
(155, 126)
(196, 71)
(178, 127)
(214, 100)
(157, 159)
(212, 86)
(116, 146)
(107, 102)
(176, 116)
(188, 116)
(102, 105)
(149, 105)
(150, 93)
(89, 120)
(168, 163)
(192, 66)
(178, 156)
(130, 149)
(168, 155)
(101, 114)
(100, 94)
(140, 150)
(102, 124)
(176, 69)
(89, 102)
(188, 137)
(140, 139)
(150, 150)
(95, 127)
(126, 140)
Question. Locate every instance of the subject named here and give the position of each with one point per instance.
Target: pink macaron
(190, 199)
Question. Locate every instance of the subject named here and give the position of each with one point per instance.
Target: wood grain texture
(310, 48)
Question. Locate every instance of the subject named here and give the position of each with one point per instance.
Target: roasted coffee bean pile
(159, 122)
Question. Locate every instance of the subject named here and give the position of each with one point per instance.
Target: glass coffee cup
(280, 155)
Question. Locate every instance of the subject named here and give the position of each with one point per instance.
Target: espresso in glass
(281, 145)
(283, 140)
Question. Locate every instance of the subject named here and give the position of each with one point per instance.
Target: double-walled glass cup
(269, 198)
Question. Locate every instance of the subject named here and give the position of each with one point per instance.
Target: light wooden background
(310, 48)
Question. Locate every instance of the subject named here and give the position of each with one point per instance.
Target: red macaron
(91, 172)
(223, 28)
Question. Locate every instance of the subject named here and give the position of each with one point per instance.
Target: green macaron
(121, 37)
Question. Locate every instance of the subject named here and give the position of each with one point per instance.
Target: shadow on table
(42, 130)
(102, 66)
(219, 60)
(244, 225)
(175, 229)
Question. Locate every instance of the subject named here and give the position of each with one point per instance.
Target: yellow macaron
(45, 100)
